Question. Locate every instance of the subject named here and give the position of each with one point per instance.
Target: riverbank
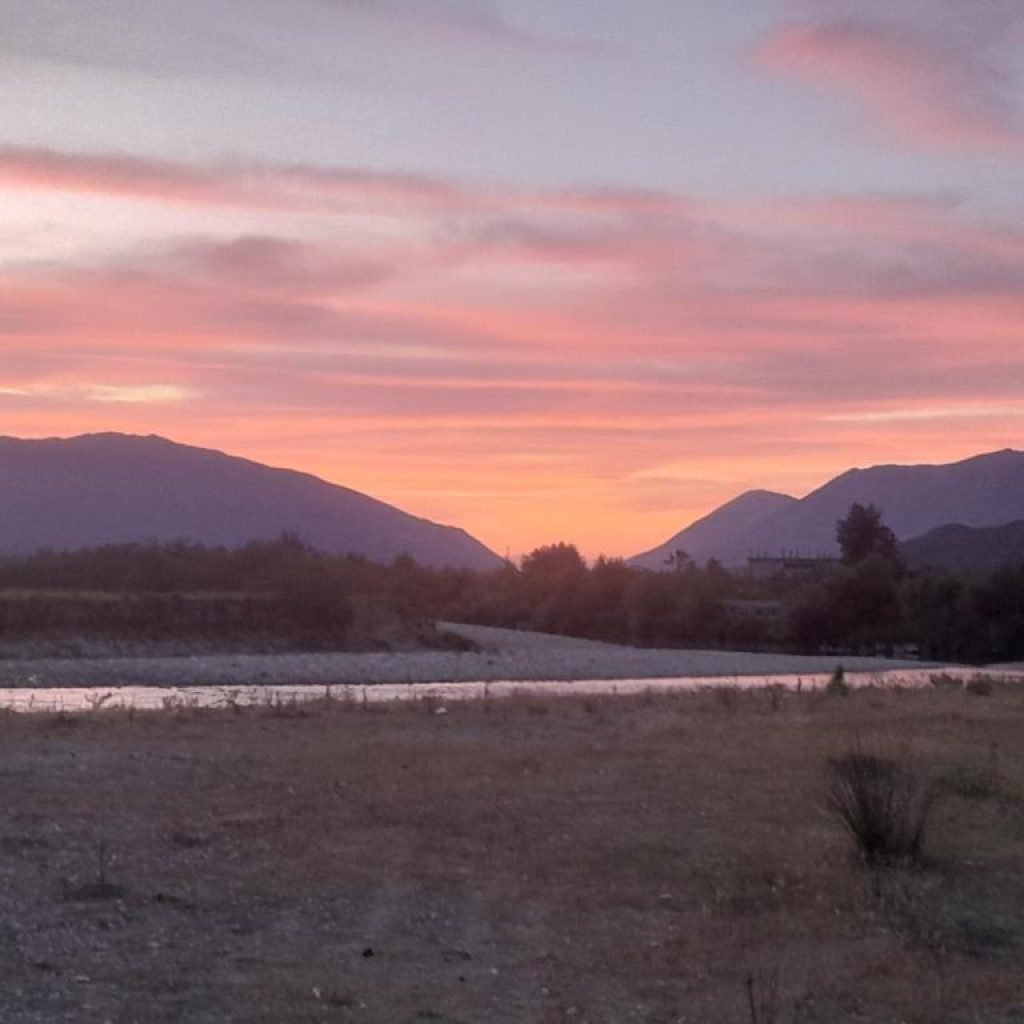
(500, 654)
(649, 859)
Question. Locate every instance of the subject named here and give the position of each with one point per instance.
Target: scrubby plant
(980, 685)
(837, 686)
(883, 803)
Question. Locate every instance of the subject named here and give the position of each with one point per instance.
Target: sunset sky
(547, 270)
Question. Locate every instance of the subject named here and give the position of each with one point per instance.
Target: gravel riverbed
(501, 654)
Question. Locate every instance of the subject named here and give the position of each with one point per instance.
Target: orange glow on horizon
(531, 366)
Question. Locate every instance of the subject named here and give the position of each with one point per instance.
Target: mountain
(112, 488)
(702, 539)
(985, 490)
(966, 547)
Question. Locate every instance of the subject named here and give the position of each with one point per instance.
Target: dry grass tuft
(883, 803)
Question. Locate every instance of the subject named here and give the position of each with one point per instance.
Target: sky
(548, 270)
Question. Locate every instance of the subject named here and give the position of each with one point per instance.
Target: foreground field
(656, 859)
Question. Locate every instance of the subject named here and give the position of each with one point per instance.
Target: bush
(883, 804)
(837, 686)
(980, 686)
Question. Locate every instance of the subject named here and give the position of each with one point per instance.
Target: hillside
(707, 536)
(982, 491)
(112, 488)
(965, 547)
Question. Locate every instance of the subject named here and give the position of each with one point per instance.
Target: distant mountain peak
(105, 488)
(956, 546)
(703, 537)
(758, 494)
(984, 490)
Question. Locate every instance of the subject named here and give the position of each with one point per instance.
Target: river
(76, 699)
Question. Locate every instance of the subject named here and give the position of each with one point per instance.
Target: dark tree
(680, 561)
(862, 533)
(554, 561)
(554, 583)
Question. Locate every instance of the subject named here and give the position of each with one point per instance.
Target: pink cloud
(918, 90)
(290, 186)
(270, 186)
(245, 306)
(265, 263)
(450, 376)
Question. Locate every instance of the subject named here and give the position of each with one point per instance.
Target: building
(763, 567)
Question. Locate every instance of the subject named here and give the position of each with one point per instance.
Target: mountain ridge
(112, 487)
(703, 536)
(959, 547)
(981, 490)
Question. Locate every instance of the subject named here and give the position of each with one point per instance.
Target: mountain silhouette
(985, 490)
(966, 547)
(114, 488)
(716, 531)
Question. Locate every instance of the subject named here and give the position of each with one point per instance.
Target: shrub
(883, 804)
(980, 685)
(837, 686)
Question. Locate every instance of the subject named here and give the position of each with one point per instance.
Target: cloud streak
(244, 184)
(911, 243)
(456, 21)
(254, 39)
(918, 90)
(261, 185)
(138, 394)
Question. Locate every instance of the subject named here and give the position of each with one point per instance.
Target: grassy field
(608, 860)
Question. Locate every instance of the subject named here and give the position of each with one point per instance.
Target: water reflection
(50, 699)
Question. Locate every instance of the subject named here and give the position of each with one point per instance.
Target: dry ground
(607, 860)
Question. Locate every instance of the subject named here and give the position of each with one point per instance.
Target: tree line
(867, 602)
